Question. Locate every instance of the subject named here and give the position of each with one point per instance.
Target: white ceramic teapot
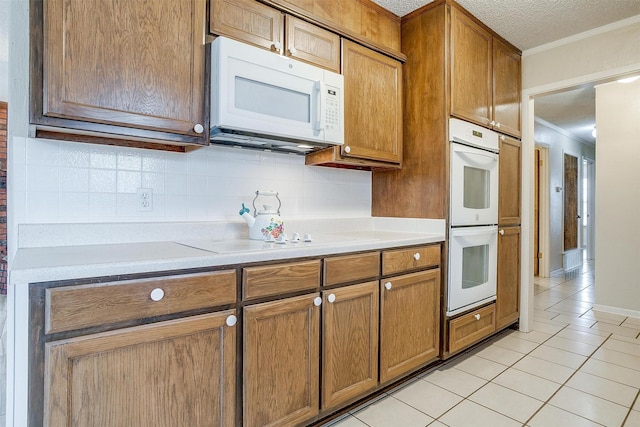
(265, 224)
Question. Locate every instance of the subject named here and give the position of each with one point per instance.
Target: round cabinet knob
(347, 149)
(276, 46)
(477, 316)
(331, 298)
(492, 123)
(198, 128)
(501, 232)
(157, 294)
(293, 50)
(416, 256)
(232, 320)
(503, 138)
(388, 286)
(498, 125)
(317, 301)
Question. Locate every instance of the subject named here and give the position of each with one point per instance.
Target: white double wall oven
(473, 216)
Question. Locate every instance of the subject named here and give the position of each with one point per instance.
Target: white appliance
(260, 99)
(474, 175)
(473, 216)
(473, 264)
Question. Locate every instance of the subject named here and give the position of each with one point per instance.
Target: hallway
(576, 368)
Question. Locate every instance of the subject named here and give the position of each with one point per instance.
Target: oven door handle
(471, 156)
(474, 231)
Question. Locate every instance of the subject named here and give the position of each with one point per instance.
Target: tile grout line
(569, 379)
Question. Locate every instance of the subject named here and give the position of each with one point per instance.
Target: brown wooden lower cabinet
(508, 287)
(471, 327)
(409, 322)
(349, 342)
(174, 373)
(281, 362)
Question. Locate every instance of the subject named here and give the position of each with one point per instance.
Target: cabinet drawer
(349, 268)
(467, 329)
(81, 306)
(410, 259)
(280, 278)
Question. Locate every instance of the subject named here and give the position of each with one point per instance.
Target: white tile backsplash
(74, 182)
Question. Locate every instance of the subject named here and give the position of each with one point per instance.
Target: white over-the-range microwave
(263, 100)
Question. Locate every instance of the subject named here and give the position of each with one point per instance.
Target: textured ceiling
(532, 23)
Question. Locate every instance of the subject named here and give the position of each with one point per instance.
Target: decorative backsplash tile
(74, 182)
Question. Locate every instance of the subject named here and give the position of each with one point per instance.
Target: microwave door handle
(320, 122)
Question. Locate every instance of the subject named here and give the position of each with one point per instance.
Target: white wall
(558, 143)
(593, 53)
(599, 54)
(618, 195)
(4, 50)
(57, 181)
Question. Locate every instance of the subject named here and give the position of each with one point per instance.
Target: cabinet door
(471, 72)
(349, 342)
(409, 322)
(312, 44)
(248, 21)
(506, 88)
(281, 362)
(175, 373)
(508, 286)
(130, 63)
(372, 104)
(509, 179)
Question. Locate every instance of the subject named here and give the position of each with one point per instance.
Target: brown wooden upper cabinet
(268, 28)
(485, 76)
(121, 68)
(373, 112)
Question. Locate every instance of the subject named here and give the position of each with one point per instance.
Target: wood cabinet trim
(295, 10)
(117, 127)
(317, 38)
(277, 279)
(58, 354)
(401, 260)
(466, 329)
(258, 387)
(81, 306)
(350, 268)
(345, 341)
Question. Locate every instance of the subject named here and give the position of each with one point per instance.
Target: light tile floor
(578, 367)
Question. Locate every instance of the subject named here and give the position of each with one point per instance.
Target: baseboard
(558, 271)
(617, 310)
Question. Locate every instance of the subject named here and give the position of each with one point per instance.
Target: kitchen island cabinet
(121, 71)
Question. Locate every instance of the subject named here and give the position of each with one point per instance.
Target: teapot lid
(268, 209)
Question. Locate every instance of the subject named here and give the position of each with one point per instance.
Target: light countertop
(40, 263)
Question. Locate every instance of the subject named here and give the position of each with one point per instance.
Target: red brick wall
(3, 198)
